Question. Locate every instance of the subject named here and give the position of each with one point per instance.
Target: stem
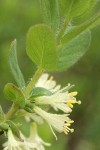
(32, 82)
(61, 33)
(67, 20)
(12, 111)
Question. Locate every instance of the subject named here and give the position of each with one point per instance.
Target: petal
(55, 120)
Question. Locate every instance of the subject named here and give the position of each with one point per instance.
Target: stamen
(53, 132)
(66, 128)
(79, 102)
(73, 93)
(68, 123)
(71, 102)
(71, 121)
(72, 130)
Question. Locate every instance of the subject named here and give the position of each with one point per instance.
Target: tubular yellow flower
(60, 122)
(34, 138)
(33, 142)
(60, 97)
(48, 83)
(13, 143)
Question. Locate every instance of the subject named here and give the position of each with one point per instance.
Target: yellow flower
(60, 122)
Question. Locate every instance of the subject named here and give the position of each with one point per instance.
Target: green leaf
(50, 11)
(14, 94)
(28, 109)
(78, 7)
(82, 6)
(4, 126)
(13, 62)
(41, 47)
(39, 91)
(75, 31)
(73, 51)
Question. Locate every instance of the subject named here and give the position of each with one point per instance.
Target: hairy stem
(32, 82)
(12, 111)
(61, 33)
(65, 24)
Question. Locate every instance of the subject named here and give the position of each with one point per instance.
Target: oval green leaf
(41, 47)
(13, 62)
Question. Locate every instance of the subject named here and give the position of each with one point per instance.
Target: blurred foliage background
(16, 16)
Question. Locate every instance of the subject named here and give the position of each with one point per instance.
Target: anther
(71, 130)
(79, 102)
(73, 93)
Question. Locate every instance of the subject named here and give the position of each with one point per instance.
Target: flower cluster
(60, 99)
(33, 142)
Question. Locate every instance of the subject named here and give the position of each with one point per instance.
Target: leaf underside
(13, 62)
(71, 52)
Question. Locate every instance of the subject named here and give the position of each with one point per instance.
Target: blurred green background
(16, 16)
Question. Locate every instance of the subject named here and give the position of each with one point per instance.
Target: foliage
(53, 46)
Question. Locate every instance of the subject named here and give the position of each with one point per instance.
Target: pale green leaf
(39, 91)
(70, 53)
(75, 31)
(29, 106)
(50, 12)
(41, 47)
(4, 126)
(13, 62)
(78, 7)
(28, 109)
(82, 6)
(14, 94)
